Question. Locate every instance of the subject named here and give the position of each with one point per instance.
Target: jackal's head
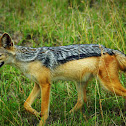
(6, 49)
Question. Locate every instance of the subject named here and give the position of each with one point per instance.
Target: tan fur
(77, 70)
(104, 67)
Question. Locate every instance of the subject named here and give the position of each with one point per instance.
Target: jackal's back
(53, 56)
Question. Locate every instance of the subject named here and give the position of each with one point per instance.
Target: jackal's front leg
(45, 95)
(27, 105)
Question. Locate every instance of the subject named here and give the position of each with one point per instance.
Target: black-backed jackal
(75, 63)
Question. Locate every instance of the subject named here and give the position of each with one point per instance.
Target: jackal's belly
(77, 78)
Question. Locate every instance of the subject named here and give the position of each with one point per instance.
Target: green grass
(53, 23)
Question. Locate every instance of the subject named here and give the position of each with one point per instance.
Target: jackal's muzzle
(1, 64)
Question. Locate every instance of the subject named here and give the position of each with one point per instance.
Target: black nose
(1, 64)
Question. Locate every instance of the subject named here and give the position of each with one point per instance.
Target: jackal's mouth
(1, 64)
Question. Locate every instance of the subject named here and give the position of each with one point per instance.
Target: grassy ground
(62, 22)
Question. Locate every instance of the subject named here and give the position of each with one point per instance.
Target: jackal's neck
(26, 54)
(21, 55)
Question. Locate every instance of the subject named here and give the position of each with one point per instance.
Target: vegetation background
(38, 23)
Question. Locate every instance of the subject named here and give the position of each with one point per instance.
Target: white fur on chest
(24, 69)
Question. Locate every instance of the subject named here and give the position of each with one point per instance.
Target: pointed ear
(6, 41)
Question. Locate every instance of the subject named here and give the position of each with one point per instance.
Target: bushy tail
(121, 58)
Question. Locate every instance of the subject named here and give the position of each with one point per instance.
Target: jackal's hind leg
(110, 80)
(115, 87)
(81, 89)
(27, 105)
(108, 75)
